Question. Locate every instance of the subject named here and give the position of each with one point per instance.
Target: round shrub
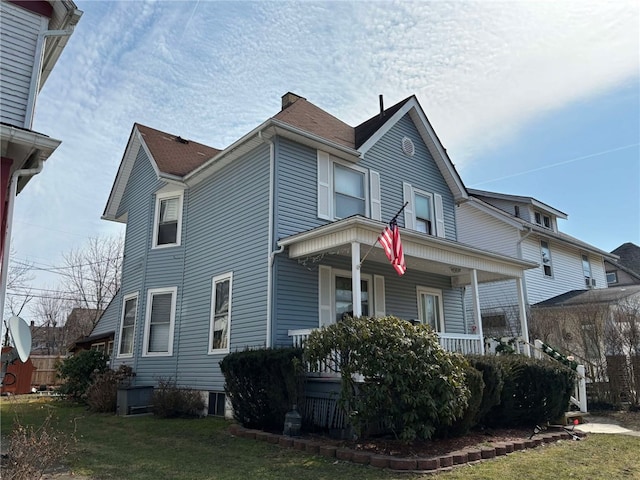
(394, 374)
(492, 377)
(76, 372)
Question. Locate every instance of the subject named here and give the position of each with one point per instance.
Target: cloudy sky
(539, 99)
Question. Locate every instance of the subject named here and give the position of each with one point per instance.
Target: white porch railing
(579, 397)
(452, 342)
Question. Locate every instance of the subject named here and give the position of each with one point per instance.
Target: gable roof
(518, 199)
(592, 296)
(629, 254)
(521, 224)
(176, 159)
(173, 154)
(306, 116)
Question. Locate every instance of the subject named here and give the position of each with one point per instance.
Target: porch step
(569, 417)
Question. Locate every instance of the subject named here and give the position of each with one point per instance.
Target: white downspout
(13, 192)
(270, 253)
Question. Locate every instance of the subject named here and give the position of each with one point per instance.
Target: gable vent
(408, 147)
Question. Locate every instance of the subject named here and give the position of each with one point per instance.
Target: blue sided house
(275, 235)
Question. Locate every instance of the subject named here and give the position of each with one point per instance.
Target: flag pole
(391, 222)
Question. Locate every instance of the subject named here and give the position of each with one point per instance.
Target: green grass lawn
(144, 447)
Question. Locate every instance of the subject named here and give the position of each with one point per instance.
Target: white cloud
(211, 71)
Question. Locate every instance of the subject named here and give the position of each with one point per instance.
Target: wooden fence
(45, 373)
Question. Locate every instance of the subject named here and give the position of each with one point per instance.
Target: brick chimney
(289, 99)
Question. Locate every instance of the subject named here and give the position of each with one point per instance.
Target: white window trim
(326, 187)
(347, 274)
(135, 321)
(147, 321)
(156, 218)
(436, 293)
(214, 280)
(550, 259)
(437, 210)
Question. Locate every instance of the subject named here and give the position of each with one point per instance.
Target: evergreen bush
(263, 385)
(469, 419)
(534, 392)
(76, 372)
(410, 385)
(492, 377)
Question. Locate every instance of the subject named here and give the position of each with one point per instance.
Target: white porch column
(477, 316)
(355, 279)
(522, 310)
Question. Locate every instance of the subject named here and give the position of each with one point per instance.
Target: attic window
(408, 147)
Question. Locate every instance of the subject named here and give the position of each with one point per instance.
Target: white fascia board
(549, 209)
(122, 177)
(258, 135)
(430, 139)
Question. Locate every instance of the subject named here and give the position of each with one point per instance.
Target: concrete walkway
(604, 425)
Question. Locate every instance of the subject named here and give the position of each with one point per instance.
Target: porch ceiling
(422, 252)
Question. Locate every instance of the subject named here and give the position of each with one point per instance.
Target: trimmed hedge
(468, 420)
(492, 376)
(262, 385)
(534, 392)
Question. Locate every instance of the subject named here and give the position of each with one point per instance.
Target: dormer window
(542, 220)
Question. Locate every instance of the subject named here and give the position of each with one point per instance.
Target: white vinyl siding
(20, 44)
(168, 220)
(128, 325)
(159, 322)
(424, 211)
(220, 325)
(345, 189)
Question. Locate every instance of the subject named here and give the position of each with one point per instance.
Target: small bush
(76, 372)
(492, 377)
(534, 392)
(169, 401)
(102, 394)
(411, 385)
(33, 450)
(262, 385)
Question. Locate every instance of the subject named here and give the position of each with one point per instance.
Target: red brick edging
(407, 464)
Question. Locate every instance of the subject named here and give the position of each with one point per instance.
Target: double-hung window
(220, 329)
(128, 325)
(159, 322)
(168, 220)
(430, 308)
(346, 189)
(586, 270)
(349, 197)
(424, 211)
(545, 253)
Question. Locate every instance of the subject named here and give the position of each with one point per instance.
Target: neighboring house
(601, 328)
(526, 228)
(259, 243)
(47, 339)
(626, 270)
(34, 34)
(99, 338)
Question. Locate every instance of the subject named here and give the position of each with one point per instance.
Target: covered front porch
(455, 266)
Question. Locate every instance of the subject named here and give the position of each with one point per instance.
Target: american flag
(392, 245)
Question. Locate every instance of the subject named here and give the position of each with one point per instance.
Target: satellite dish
(21, 334)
